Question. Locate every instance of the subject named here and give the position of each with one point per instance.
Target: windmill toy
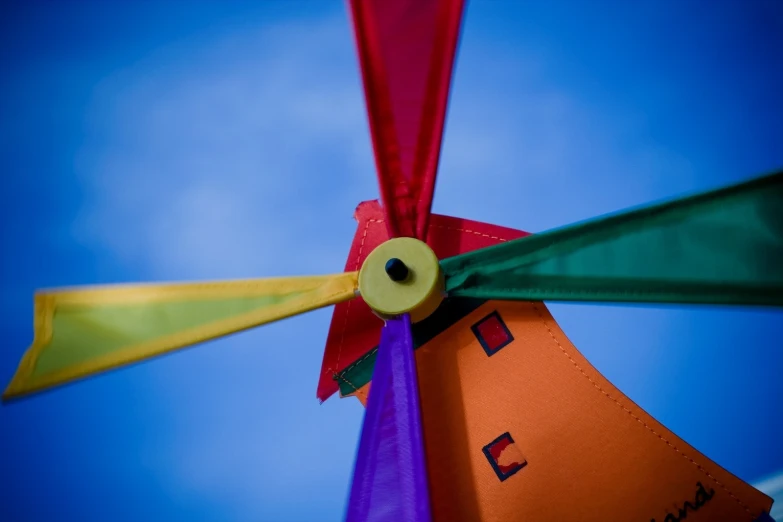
(478, 407)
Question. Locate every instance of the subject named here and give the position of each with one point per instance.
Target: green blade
(720, 247)
(85, 331)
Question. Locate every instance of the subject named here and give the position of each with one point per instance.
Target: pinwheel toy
(478, 408)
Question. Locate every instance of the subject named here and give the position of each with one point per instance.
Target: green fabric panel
(720, 247)
(449, 312)
(81, 333)
(358, 374)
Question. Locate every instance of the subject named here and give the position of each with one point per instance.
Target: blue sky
(145, 141)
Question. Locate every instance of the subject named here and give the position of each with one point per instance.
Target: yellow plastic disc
(412, 283)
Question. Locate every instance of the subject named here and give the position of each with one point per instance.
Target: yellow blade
(80, 332)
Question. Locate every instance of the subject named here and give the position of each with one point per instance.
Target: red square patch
(504, 456)
(492, 333)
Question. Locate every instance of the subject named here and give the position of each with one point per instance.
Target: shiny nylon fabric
(406, 51)
(720, 247)
(567, 420)
(390, 477)
(86, 331)
(355, 330)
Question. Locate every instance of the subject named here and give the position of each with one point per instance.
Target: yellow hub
(401, 276)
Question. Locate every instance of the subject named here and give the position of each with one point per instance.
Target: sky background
(145, 141)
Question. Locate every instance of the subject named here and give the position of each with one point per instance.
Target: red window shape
(504, 456)
(492, 333)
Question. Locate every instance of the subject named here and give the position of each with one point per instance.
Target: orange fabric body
(589, 452)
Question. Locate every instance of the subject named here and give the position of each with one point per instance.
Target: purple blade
(390, 477)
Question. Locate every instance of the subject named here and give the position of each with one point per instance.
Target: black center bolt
(396, 269)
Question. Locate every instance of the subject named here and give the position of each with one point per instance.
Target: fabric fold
(390, 478)
(721, 247)
(406, 52)
(84, 331)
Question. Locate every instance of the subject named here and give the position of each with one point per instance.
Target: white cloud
(773, 486)
(222, 152)
(523, 150)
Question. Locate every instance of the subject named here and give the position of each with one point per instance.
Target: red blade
(406, 51)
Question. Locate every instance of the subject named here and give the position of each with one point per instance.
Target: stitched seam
(468, 231)
(348, 306)
(141, 350)
(359, 361)
(356, 390)
(359, 257)
(637, 419)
